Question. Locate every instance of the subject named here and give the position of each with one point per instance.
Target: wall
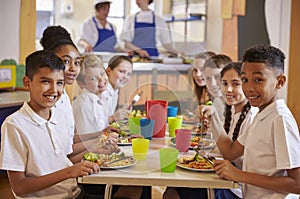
(9, 34)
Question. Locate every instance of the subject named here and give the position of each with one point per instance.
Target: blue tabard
(106, 39)
(144, 36)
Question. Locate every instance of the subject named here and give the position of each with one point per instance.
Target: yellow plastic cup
(168, 159)
(173, 124)
(140, 148)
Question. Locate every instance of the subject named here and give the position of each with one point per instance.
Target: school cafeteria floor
(5, 191)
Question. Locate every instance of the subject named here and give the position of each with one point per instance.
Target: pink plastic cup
(183, 139)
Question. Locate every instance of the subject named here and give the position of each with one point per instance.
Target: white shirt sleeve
(89, 32)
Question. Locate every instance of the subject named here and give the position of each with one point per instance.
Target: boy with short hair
(35, 145)
(271, 145)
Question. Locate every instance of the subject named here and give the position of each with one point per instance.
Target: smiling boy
(35, 145)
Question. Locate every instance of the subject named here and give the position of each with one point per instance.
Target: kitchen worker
(143, 30)
(97, 34)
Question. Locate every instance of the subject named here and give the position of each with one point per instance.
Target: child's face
(72, 60)
(95, 80)
(45, 88)
(119, 76)
(197, 74)
(232, 89)
(259, 84)
(213, 81)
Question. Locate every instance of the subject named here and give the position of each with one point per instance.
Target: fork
(203, 156)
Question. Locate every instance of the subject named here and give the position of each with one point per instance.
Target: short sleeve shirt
(273, 138)
(89, 113)
(37, 147)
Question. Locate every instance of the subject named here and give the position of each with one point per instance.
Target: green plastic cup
(168, 159)
(134, 125)
(140, 148)
(173, 124)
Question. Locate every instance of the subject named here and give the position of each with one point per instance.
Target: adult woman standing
(97, 34)
(143, 30)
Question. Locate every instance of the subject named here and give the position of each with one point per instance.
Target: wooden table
(147, 173)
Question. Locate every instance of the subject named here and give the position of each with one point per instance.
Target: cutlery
(198, 153)
(136, 98)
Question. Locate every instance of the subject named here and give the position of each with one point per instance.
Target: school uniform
(110, 99)
(38, 147)
(271, 145)
(88, 113)
(146, 30)
(63, 105)
(239, 161)
(103, 39)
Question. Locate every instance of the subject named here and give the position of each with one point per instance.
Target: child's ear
(281, 79)
(26, 82)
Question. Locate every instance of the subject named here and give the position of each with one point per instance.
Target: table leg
(210, 193)
(108, 191)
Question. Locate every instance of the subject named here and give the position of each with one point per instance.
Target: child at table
(211, 71)
(239, 116)
(119, 71)
(35, 145)
(271, 145)
(200, 88)
(88, 106)
(58, 40)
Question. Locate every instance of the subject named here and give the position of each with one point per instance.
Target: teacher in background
(143, 30)
(97, 34)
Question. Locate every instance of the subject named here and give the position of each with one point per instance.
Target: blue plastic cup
(147, 126)
(172, 111)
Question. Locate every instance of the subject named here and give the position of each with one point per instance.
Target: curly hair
(54, 37)
(269, 55)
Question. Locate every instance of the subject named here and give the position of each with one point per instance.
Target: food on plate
(113, 160)
(137, 113)
(195, 162)
(103, 138)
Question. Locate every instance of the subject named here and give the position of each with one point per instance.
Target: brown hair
(116, 60)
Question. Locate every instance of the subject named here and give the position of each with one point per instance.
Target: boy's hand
(225, 169)
(111, 129)
(83, 168)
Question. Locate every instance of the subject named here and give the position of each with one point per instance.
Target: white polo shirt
(244, 126)
(110, 99)
(38, 147)
(162, 33)
(272, 145)
(89, 113)
(64, 107)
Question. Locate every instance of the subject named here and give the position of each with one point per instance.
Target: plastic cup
(146, 128)
(134, 125)
(173, 124)
(183, 139)
(140, 148)
(168, 159)
(172, 111)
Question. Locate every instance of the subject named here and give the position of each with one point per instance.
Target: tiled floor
(5, 191)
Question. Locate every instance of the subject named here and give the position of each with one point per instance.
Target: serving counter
(171, 82)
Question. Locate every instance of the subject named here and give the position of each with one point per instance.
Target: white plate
(120, 167)
(209, 143)
(124, 144)
(193, 169)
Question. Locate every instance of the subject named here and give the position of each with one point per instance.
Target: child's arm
(230, 150)
(283, 184)
(22, 184)
(83, 137)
